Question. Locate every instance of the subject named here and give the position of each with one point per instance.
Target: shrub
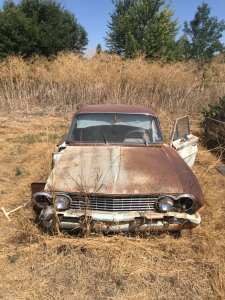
(213, 110)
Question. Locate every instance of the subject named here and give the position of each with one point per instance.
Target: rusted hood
(114, 170)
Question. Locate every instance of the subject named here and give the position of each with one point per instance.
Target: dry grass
(35, 265)
(69, 82)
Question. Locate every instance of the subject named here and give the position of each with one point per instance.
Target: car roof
(115, 108)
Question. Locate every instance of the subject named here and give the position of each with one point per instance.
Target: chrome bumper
(129, 221)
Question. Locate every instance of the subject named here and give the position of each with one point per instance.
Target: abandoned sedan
(114, 171)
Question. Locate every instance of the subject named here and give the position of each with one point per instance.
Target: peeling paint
(139, 170)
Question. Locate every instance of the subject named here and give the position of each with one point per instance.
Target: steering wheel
(139, 131)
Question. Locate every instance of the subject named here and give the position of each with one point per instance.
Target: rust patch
(37, 187)
(115, 170)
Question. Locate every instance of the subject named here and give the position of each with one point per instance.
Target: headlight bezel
(48, 197)
(179, 202)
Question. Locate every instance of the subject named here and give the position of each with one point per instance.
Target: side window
(180, 128)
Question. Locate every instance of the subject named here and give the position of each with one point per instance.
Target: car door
(183, 141)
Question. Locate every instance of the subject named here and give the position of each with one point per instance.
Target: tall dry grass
(69, 82)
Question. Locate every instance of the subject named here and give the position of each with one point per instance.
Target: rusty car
(114, 167)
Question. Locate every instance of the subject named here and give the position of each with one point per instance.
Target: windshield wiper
(104, 137)
(146, 143)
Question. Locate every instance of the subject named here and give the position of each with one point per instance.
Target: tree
(203, 34)
(98, 49)
(14, 30)
(41, 27)
(141, 26)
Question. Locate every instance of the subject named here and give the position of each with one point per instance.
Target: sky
(94, 14)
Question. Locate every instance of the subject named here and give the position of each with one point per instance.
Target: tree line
(146, 27)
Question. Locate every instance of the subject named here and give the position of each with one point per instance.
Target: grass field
(35, 265)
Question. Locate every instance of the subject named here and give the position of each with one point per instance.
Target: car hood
(114, 170)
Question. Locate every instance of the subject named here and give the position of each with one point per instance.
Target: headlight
(185, 203)
(165, 204)
(177, 203)
(62, 202)
(42, 199)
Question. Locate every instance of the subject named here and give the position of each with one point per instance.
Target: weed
(53, 137)
(14, 258)
(2, 192)
(36, 138)
(18, 172)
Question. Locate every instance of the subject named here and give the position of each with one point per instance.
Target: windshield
(115, 128)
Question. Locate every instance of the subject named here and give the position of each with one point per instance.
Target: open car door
(184, 142)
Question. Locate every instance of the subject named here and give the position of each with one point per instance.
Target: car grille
(113, 203)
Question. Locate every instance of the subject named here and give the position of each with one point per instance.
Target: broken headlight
(184, 203)
(43, 199)
(62, 202)
(178, 203)
(165, 203)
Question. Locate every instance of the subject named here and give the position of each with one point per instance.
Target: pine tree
(98, 49)
(142, 26)
(203, 34)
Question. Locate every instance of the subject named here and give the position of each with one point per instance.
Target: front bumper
(121, 222)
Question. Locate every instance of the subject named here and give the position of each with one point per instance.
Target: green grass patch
(36, 138)
(18, 171)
